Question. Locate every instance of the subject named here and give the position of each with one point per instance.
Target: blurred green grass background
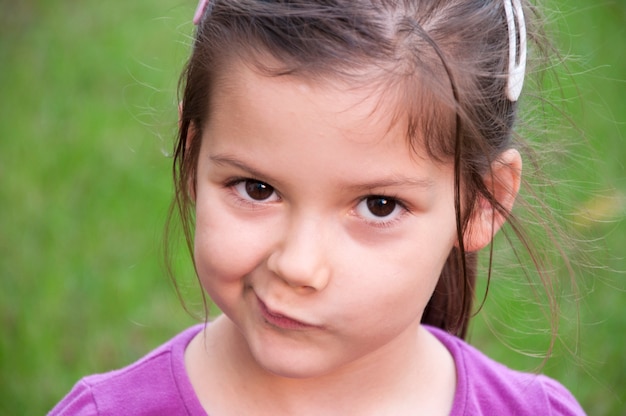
(87, 117)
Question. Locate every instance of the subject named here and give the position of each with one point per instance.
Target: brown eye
(258, 191)
(380, 206)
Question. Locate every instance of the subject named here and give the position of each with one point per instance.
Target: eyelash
(383, 223)
(232, 183)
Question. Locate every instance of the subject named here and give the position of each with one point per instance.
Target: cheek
(396, 279)
(225, 247)
(406, 271)
(407, 291)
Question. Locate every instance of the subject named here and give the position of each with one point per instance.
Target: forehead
(358, 106)
(322, 132)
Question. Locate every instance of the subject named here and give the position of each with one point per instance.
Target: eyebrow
(222, 159)
(396, 181)
(392, 182)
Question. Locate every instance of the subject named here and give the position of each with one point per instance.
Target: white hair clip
(517, 55)
(202, 6)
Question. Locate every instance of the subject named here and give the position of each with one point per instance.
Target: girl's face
(319, 234)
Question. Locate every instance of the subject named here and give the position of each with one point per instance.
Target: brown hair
(445, 61)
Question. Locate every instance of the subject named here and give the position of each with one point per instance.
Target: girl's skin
(321, 237)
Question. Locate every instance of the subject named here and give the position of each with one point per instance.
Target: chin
(287, 369)
(290, 360)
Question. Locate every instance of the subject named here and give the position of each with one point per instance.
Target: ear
(191, 136)
(503, 181)
(191, 181)
(180, 114)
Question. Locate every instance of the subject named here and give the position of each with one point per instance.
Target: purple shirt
(158, 384)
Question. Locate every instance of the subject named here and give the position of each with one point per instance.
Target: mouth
(281, 321)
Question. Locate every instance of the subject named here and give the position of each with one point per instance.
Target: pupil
(258, 190)
(381, 207)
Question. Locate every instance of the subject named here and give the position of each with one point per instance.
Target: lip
(281, 321)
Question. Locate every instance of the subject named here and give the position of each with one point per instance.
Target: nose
(300, 256)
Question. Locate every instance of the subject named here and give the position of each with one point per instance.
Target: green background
(87, 117)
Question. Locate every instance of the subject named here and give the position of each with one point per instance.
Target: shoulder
(486, 387)
(156, 383)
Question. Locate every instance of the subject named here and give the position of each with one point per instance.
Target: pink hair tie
(202, 6)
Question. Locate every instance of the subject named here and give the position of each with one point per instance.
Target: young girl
(339, 164)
